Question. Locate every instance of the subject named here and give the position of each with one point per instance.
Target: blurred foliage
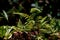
(30, 18)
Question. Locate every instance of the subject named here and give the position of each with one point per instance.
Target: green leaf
(35, 10)
(22, 14)
(43, 19)
(5, 15)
